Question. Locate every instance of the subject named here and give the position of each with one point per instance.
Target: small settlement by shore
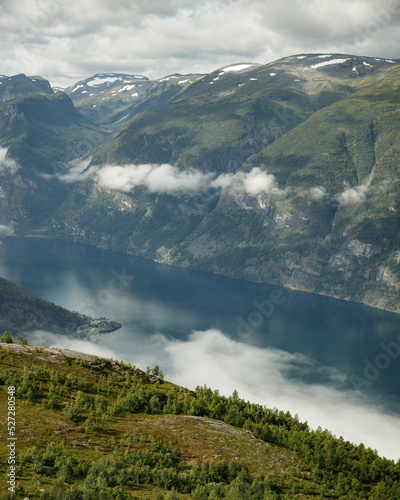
(92, 331)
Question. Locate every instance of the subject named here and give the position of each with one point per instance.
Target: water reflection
(175, 302)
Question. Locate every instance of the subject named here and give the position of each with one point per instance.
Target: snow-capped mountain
(108, 85)
(113, 99)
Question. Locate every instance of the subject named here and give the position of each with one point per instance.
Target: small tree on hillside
(6, 338)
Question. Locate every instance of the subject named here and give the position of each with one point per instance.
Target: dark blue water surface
(360, 341)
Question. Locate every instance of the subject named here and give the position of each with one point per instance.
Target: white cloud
(42, 337)
(352, 196)
(166, 178)
(77, 172)
(7, 164)
(261, 375)
(169, 179)
(257, 182)
(317, 193)
(7, 230)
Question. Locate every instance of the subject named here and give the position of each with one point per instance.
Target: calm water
(148, 298)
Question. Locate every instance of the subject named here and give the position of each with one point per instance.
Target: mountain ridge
(317, 132)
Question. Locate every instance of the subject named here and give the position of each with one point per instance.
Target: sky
(68, 40)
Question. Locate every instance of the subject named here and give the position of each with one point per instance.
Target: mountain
(94, 427)
(113, 99)
(319, 134)
(21, 311)
(285, 173)
(40, 134)
(236, 111)
(21, 86)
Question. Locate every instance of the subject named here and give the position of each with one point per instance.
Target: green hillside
(212, 128)
(89, 428)
(43, 130)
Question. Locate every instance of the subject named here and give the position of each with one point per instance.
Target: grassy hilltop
(94, 428)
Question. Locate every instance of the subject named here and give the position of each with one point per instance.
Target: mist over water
(332, 362)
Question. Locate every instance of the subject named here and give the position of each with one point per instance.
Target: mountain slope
(41, 134)
(20, 86)
(296, 164)
(213, 125)
(232, 113)
(113, 431)
(21, 311)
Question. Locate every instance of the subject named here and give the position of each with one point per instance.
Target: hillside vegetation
(90, 428)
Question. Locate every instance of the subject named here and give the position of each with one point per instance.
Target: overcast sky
(66, 40)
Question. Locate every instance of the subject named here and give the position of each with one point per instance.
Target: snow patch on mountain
(76, 88)
(126, 88)
(328, 63)
(238, 67)
(100, 81)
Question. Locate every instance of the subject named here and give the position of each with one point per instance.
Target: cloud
(7, 164)
(43, 337)
(352, 196)
(169, 179)
(75, 173)
(256, 182)
(262, 376)
(317, 193)
(7, 230)
(78, 172)
(66, 40)
(267, 376)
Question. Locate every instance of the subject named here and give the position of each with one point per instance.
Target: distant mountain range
(286, 173)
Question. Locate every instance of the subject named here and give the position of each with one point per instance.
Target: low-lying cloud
(318, 192)
(7, 164)
(156, 178)
(77, 172)
(7, 230)
(261, 375)
(352, 196)
(170, 180)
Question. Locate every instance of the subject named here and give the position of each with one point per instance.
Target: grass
(197, 439)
